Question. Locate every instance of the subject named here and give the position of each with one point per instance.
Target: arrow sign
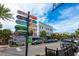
(34, 21)
(20, 27)
(22, 32)
(25, 14)
(21, 17)
(21, 22)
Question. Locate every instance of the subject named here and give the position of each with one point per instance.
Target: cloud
(67, 26)
(69, 12)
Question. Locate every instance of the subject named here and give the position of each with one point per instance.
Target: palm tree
(77, 33)
(5, 13)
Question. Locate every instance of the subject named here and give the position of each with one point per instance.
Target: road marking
(18, 49)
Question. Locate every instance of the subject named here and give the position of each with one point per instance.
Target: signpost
(23, 26)
(27, 36)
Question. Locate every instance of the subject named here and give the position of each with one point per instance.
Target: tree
(5, 13)
(43, 34)
(77, 33)
(5, 35)
(59, 36)
(72, 35)
(0, 34)
(0, 25)
(53, 36)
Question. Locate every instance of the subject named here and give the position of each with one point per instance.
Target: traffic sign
(25, 14)
(22, 32)
(34, 21)
(21, 17)
(21, 22)
(21, 12)
(20, 27)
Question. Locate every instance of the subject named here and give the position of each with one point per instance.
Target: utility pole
(27, 33)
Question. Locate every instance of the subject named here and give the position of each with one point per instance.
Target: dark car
(37, 42)
(66, 40)
(50, 40)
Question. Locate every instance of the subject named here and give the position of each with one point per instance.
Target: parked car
(37, 42)
(67, 42)
(50, 40)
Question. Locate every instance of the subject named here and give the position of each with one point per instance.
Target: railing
(65, 51)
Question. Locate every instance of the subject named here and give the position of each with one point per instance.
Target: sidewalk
(3, 48)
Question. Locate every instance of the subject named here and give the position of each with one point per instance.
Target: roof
(46, 24)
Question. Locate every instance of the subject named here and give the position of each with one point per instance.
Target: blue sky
(64, 19)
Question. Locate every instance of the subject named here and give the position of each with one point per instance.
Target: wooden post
(45, 51)
(57, 52)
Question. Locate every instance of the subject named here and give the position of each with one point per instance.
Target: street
(32, 49)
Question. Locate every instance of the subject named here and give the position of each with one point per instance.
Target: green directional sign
(22, 32)
(20, 27)
(21, 22)
(34, 21)
(30, 40)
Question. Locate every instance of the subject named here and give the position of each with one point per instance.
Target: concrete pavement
(32, 49)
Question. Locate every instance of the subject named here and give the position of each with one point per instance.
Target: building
(44, 27)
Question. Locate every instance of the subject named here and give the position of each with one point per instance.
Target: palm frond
(5, 13)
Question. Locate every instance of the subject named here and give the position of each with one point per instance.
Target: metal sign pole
(27, 34)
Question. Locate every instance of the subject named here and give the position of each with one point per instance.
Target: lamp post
(27, 34)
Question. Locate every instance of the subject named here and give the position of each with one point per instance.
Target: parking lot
(40, 49)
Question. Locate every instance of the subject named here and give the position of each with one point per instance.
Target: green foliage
(43, 34)
(0, 25)
(5, 35)
(77, 33)
(5, 12)
(60, 36)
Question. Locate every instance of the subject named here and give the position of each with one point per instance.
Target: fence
(65, 51)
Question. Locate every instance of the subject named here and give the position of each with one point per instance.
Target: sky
(63, 19)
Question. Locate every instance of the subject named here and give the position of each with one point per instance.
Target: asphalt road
(32, 49)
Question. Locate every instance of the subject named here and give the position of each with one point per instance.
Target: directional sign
(21, 12)
(25, 14)
(21, 17)
(21, 22)
(20, 27)
(30, 40)
(34, 21)
(22, 32)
